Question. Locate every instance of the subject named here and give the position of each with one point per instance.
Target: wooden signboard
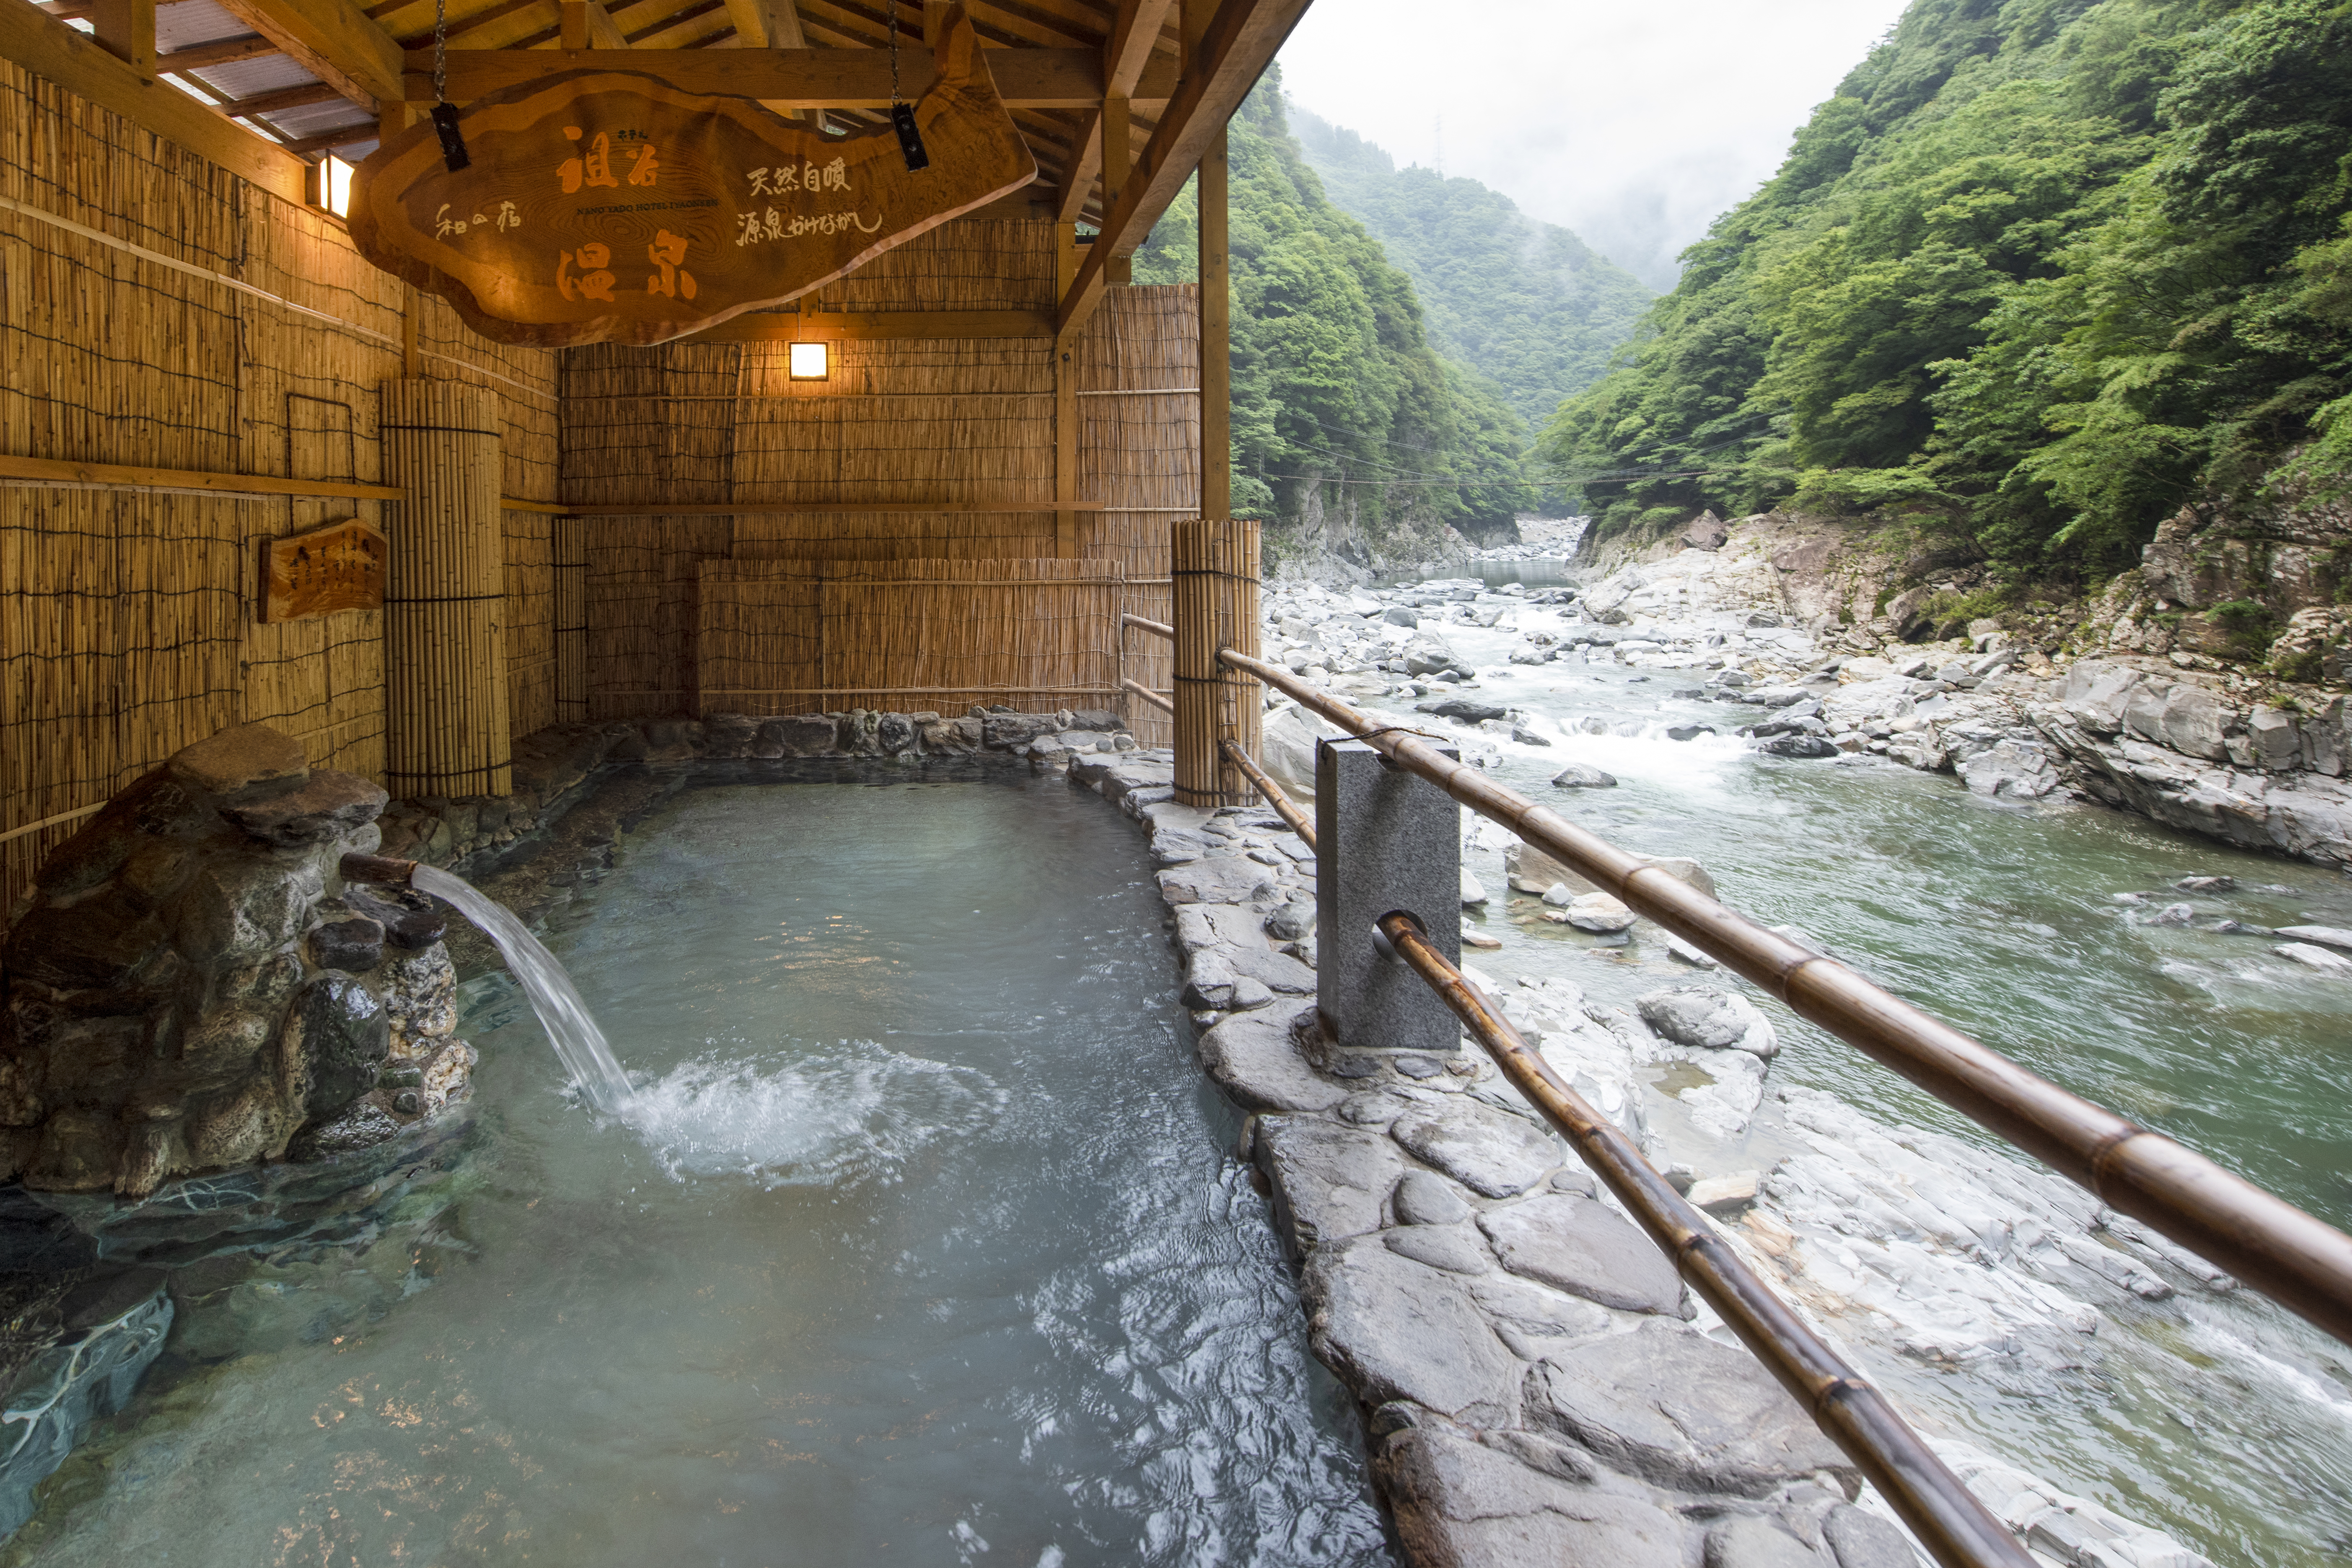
(339, 567)
(603, 206)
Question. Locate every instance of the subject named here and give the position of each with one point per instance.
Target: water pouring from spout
(578, 1042)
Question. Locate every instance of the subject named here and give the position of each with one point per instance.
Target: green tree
(2043, 269)
(1337, 393)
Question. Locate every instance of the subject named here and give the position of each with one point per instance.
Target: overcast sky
(1633, 124)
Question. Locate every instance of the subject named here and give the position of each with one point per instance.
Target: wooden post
(1118, 162)
(1068, 520)
(444, 594)
(1217, 339)
(126, 29)
(1214, 567)
(569, 559)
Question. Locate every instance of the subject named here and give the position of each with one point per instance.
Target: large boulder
(1705, 1016)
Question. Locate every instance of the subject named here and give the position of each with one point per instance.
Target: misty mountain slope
(1342, 409)
(1525, 303)
(2039, 273)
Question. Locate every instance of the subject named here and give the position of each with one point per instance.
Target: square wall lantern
(334, 182)
(811, 361)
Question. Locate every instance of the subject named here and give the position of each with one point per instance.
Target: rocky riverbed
(1538, 1385)
(1967, 1278)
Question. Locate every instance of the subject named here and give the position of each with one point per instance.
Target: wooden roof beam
(1240, 42)
(1128, 48)
(772, 25)
(334, 41)
(78, 63)
(803, 79)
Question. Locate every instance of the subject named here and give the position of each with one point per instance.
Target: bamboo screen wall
(970, 419)
(156, 312)
(248, 339)
(783, 636)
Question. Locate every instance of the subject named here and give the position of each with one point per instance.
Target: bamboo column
(444, 594)
(569, 542)
(1215, 580)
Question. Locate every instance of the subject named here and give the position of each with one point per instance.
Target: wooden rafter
(1238, 45)
(334, 41)
(78, 63)
(206, 57)
(1132, 40)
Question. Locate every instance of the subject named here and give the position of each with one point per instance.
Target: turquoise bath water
(925, 1247)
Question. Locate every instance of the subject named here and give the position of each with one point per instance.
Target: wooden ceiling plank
(1239, 43)
(334, 41)
(75, 61)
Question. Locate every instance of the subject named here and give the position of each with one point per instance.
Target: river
(2214, 1416)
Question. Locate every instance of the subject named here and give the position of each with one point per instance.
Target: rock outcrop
(190, 988)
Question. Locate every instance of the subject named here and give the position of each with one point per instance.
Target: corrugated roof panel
(247, 78)
(313, 120)
(192, 22)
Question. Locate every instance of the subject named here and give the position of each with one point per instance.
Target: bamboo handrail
(1163, 704)
(2296, 1259)
(1284, 806)
(1959, 1529)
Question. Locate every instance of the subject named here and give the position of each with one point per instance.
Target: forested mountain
(1341, 406)
(2042, 270)
(1525, 303)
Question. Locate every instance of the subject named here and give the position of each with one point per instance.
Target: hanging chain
(895, 99)
(440, 51)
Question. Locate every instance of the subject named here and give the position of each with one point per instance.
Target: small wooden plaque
(339, 567)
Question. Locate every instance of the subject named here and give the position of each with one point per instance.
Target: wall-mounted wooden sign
(604, 206)
(339, 567)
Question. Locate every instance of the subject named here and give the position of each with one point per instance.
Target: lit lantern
(809, 361)
(335, 185)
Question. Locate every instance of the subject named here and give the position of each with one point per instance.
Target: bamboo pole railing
(1137, 689)
(2297, 1259)
(1940, 1510)
(1284, 806)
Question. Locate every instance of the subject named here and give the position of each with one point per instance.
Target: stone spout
(379, 869)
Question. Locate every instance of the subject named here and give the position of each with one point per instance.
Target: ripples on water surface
(925, 1250)
(2215, 1418)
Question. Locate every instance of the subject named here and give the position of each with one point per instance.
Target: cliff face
(2265, 584)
